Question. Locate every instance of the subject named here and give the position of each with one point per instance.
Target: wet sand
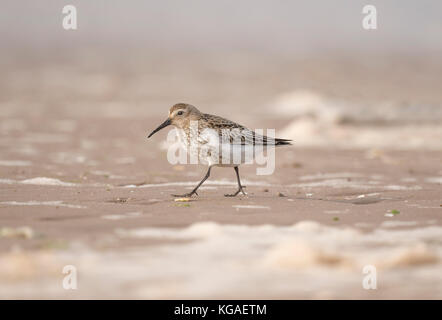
(81, 185)
(98, 197)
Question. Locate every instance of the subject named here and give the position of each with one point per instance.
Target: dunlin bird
(228, 135)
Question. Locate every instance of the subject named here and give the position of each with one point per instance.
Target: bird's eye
(180, 113)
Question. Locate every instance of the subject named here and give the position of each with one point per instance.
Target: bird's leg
(240, 187)
(188, 195)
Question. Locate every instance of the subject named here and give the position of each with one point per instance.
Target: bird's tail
(282, 142)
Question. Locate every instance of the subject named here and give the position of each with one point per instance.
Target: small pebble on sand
(182, 200)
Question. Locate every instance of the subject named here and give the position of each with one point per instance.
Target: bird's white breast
(209, 149)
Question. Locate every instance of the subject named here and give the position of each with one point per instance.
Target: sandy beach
(90, 190)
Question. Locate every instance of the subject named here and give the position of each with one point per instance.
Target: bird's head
(180, 116)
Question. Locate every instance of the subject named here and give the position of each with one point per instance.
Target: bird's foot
(236, 193)
(186, 195)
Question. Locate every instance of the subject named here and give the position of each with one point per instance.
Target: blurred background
(310, 62)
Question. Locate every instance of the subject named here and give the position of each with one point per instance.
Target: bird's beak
(163, 125)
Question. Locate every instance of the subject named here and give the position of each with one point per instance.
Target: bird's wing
(245, 136)
(236, 134)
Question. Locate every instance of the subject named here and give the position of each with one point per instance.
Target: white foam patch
(43, 181)
(337, 183)
(304, 102)
(416, 205)
(434, 180)
(322, 121)
(337, 211)
(47, 182)
(398, 223)
(68, 158)
(322, 176)
(122, 216)
(373, 194)
(25, 149)
(250, 207)
(209, 260)
(398, 188)
(20, 232)
(55, 203)
(44, 138)
(7, 181)
(408, 179)
(351, 184)
(230, 259)
(15, 163)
